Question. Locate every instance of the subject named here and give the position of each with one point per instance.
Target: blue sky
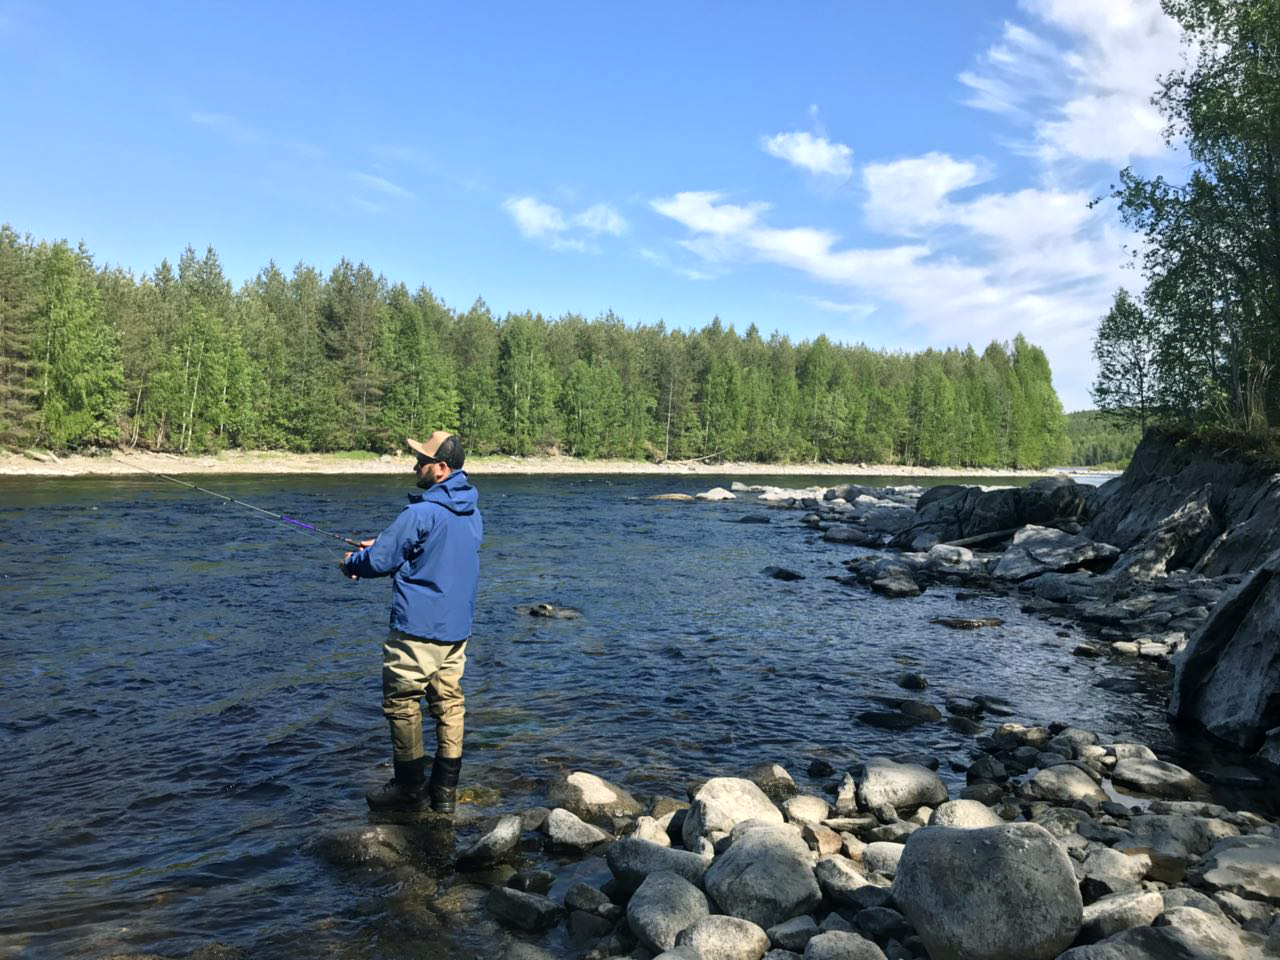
(900, 177)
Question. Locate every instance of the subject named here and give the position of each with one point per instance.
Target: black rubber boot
(407, 790)
(444, 783)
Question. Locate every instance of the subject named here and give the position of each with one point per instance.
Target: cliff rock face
(1238, 506)
(1228, 677)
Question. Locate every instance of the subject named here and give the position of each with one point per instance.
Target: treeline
(1198, 348)
(178, 360)
(1098, 440)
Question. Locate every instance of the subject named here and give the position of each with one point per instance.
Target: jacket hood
(455, 493)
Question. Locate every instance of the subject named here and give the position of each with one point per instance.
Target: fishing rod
(275, 516)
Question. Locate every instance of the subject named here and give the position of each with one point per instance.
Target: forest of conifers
(178, 360)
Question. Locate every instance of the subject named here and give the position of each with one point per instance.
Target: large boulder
(766, 876)
(1036, 550)
(965, 815)
(587, 795)
(1227, 678)
(999, 893)
(721, 803)
(631, 860)
(903, 786)
(664, 905)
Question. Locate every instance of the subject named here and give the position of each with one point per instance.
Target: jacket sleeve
(390, 550)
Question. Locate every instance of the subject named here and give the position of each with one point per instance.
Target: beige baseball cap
(441, 445)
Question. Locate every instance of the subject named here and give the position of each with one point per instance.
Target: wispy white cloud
(380, 185)
(1081, 78)
(538, 220)
(816, 154)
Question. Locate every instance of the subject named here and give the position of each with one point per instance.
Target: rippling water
(189, 693)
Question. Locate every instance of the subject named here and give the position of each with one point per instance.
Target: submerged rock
(549, 611)
(967, 623)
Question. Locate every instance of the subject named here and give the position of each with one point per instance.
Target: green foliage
(178, 360)
(1211, 256)
(1099, 440)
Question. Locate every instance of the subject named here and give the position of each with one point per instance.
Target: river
(190, 692)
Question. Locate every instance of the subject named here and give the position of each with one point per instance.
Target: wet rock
(964, 815)
(532, 881)
(525, 911)
(841, 945)
(582, 896)
(379, 847)
(673, 497)
(1064, 784)
(1000, 892)
(1246, 866)
(881, 924)
(1156, 778)
(889, 719)
(589, 796)
(968, 623)
(794, 934)
(631, 860)
(765, 877)
(724, 938)
(782, 573)
(715, 494)
(549, 611)
(495, 845)
(663, 906)
(903, 785)
(722, 802)
(565, 831)
(896, 586)
(857, 536)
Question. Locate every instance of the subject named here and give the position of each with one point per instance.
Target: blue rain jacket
(432, 552)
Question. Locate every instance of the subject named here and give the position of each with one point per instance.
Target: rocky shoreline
(1061, 844)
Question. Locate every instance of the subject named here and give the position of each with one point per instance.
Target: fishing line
(294, 524)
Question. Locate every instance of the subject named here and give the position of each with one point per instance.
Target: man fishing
(432, 553)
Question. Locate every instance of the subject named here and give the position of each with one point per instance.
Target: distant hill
(1099, 441)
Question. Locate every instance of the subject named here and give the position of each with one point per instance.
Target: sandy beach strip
(273, 462)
